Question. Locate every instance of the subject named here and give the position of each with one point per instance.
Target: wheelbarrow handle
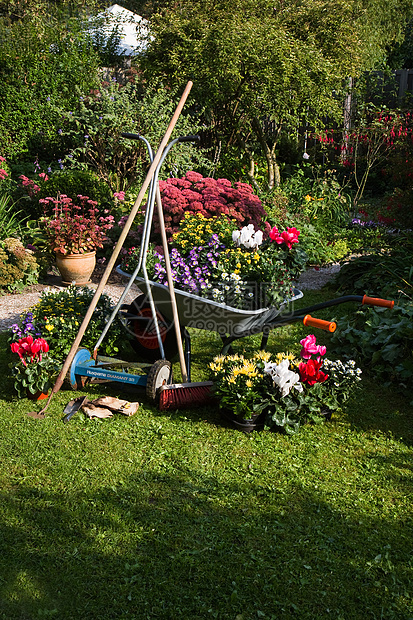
(376, 301)
(310, 321)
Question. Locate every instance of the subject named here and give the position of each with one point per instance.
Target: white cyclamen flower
(247, 237)
(283, 377)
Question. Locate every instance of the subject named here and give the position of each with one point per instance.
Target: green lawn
(178, 515)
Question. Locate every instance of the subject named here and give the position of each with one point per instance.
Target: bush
(381, 340)
(315, 193)
(71, 183)
(384, 272)
(18, 266)
(195, 194)
(57, 318)
(94, 127)
(42, 59)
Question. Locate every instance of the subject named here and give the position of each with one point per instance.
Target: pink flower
(289, 236)
(43, 176)
(310, 347)
(119, 195)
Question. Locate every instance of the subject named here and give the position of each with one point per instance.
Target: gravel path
(11, 306)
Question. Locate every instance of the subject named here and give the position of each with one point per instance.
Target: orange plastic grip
(376, 301)
(328, 326)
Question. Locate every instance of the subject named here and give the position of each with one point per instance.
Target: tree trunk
(273, 170)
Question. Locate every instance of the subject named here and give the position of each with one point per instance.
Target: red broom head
(185, 395)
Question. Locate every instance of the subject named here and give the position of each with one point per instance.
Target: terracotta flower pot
(76, 268)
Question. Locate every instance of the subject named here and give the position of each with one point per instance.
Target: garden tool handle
(376, 301)
(189, 138)
(328, 326)
(131, 136)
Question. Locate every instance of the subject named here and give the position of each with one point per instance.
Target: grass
(178, 515)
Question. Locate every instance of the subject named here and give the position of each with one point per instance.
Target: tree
(281, 61)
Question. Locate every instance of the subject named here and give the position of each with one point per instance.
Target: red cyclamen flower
(310, 372)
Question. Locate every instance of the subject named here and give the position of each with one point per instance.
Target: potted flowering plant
(34, 372)
(246, 268)
(282, 391)
(74, 232)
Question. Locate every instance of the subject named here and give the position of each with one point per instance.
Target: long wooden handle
(171, 288)
(119, 245)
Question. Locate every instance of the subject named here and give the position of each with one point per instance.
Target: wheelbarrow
(202, 313)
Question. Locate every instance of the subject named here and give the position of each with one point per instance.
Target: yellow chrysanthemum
(265, 356)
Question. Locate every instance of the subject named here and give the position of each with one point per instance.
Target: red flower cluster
(310, 372)
(75, 229)
(209, 197)
(29, 185)
(3, 174)
(289, 236)
(29, 350)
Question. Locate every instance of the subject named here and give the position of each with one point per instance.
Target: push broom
(185, 394)
(115, 254)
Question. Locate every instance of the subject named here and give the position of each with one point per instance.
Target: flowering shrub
(212, 259)
(58, 315)
(35, 370)
(74, 229)
(284, 391)
(210, 198)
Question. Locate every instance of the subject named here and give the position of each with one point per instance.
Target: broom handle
(171, 286)
(118, 247)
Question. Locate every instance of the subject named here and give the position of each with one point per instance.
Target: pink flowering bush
(73, 229)
(208, 197)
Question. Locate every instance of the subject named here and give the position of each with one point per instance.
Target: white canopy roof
(124, 23)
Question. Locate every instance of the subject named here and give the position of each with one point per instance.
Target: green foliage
(381, 340)
(43, 57)
(75, 182)
(322, 248)
(18, 266)
(57, 318)
(34, 378)
(387, 272)
(94, 128)
(257, 60)
(315, 193)
(11, 220)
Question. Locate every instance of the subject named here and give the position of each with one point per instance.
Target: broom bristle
(182, 395)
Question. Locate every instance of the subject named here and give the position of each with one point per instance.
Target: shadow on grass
(164, 545)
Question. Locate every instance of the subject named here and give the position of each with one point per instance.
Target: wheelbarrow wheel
(159, 374)
(143, 336)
